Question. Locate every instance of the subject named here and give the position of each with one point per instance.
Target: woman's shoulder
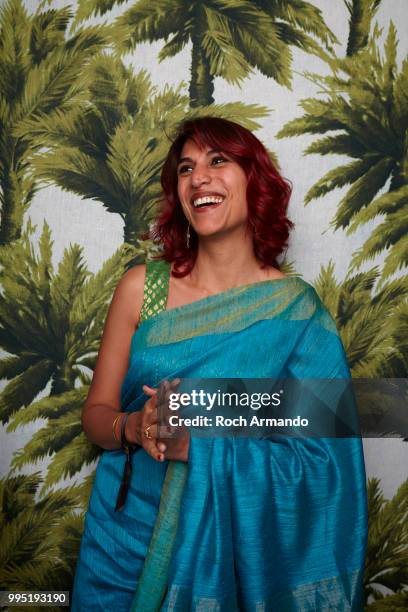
(273, 274)
(299, 284)
(145, 282)
(133, 279)
(130, 291)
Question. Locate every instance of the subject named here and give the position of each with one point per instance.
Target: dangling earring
(188, 237)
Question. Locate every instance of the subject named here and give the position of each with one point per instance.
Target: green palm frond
(36, 535)
(390, 235)
(304, 15)
(23, 388)
(145, 21)
(50, 438)
(70, 276)
(339, 177)
(53, 83)
(73, 129)
(394, 293)
(387, 550)
(362, 114)
(63, 414)
(167, 107)
(61, 438)
(85, 489)
(49, 408)
(16, 494)
(288, 268)
(175, 45)
(299, 24)
(135, 159)
(383, 205)
(74, 455)
(40, 69)
(362, 192)
(67, 535)
(224, 58)
(397, 257)
(370, 350)
(328, 288)
(89, 308)
(48, 32)
(88, 8)
(389, 603)
(80, 174)
(362, 13)
(13, 366)
(369, 319)
(15, 36)
(320, 117)
(297, 38)
(262, 46)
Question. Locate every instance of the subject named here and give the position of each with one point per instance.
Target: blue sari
(261, 524)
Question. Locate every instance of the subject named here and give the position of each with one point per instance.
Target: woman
(218, 523)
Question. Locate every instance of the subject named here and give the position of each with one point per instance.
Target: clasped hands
(142, 428)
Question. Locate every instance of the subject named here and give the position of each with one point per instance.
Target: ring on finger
(147, 433)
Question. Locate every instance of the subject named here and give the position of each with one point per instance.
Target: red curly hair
(268, 193)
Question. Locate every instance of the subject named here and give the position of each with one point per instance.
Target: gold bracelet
(120, 415)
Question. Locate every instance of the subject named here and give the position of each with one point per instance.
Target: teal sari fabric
(274, 524)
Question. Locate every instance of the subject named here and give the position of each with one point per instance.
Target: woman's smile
(206, 199)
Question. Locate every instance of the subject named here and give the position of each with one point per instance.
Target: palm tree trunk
(361, 15)
(14, 204)
(202, 82)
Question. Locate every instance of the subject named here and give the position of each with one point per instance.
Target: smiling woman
(218, 523)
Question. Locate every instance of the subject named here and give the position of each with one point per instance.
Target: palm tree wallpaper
(90, 91)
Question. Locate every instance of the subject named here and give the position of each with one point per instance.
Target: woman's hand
(175, 449)
(142, 428)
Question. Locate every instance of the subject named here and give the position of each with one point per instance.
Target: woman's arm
(101, 412)
(103, 402)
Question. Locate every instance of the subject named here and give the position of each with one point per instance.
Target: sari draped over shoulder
(253, 524)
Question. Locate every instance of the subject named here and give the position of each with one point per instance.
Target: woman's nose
(200, 176)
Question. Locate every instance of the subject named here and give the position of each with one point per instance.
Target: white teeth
(207, 200)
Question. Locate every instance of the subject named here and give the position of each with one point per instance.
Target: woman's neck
(223, 264)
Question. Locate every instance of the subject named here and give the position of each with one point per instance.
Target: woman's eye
(215, 161)
(218, 160)
(184, 169)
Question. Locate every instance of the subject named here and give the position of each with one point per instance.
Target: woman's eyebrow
(184, 159)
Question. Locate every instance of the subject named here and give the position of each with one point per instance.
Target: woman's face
(212, 190)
